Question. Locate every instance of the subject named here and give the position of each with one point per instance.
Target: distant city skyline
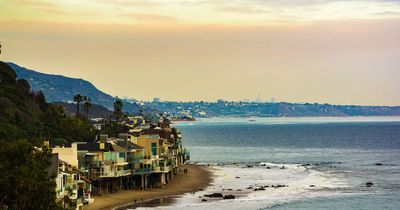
(333, 51)
(258, 99)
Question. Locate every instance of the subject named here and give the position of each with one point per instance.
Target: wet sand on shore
(198, 178)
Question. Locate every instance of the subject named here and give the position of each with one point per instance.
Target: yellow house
(150, 140)
(67, 154)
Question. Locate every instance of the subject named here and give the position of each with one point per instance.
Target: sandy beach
(198, 177)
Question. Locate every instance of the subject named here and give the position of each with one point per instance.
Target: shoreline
(198, 178)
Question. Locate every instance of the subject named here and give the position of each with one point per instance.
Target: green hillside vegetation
(26, 120)
(26, 115)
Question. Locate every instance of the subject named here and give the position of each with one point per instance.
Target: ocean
(296, 163)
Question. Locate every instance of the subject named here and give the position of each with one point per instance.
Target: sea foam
(262, 185)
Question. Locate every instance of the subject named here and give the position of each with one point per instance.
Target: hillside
(26, 121)
(61, 89)
(26, 115)
(253, 109)
(58, 88)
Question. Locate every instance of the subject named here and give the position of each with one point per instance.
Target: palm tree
(87, 105)
(84, 107)
(118, 109)
(78, 98)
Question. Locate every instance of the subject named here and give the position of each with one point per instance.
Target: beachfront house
(148, 156)
(73, 188)
(139, 161)
(162, 149)
(105, 165)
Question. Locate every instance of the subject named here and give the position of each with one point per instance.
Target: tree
(87, 104)
(78, 99)
(67, 201)
(118, 105)
(24, 179)
(59, 128)
(115, 128)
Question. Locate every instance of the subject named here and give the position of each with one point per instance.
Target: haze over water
(344, 154)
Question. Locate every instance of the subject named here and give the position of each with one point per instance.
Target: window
(63, 181)
(154, 149)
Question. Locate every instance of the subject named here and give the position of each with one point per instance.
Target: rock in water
(214, 195)
(229, 197)
(369, 184)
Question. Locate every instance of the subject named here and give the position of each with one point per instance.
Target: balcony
(141, 171)
(156, 169)
(98, 164)
(137, 158)
(164, 169)
(115, 173)
(160, 169)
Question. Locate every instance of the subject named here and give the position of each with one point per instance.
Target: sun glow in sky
(334, 51)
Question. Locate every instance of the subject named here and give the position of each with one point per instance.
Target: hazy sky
(334, 51)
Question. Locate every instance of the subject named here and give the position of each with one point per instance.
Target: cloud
(291, 3)
(149, 17)
(36, 3)
(238, 12)
(45, 6)
(130, 3)
(285, 3)
(387, 13)
(242, 10)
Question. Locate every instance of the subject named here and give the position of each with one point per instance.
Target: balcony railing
(137, 158)
(156, 169)
(115, 173)
(98, 164)
(115, 159)
(164, 168)
(141, 171)
(160, 169)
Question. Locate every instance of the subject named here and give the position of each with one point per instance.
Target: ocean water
(318, 163)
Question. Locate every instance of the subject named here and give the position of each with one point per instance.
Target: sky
(325, 51)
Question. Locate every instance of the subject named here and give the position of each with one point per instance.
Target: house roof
(135, 134)
(167, 130)
(118, 148)
(150, 131)
(128, 145)
(91, 146)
